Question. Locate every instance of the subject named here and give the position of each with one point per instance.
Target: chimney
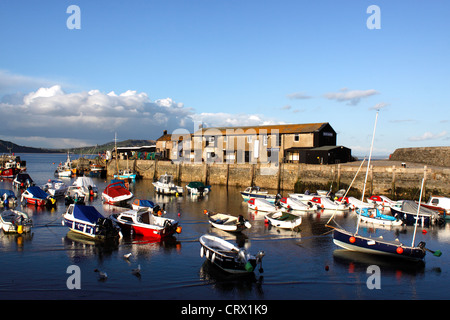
(164, 132)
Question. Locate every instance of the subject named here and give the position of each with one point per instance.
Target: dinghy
(228, 222)
(13, 221)
(197, 188)
(86, 220)
(229, 257)
(143, 222)
(283, 220)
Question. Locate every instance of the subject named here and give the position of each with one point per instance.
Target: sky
(75, 78)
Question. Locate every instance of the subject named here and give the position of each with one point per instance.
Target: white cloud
(231, 120)
(428, 136)
(298, 95)
(49, 114)
(379, 106)
(353, 96)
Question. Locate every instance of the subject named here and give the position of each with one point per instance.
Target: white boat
(356, 203)
(257, 192)
(374, 216)
(64, 170)
(439, 203)
(228, 222)
(8, 198)
(290, 203)
(381, 201)
(283, 220)
(13, 221)
(166, 185)
(328, 204)
(303, 197)
(74, 195)
(55, 187)
(87, 221)
(260, 204)
(197, 188)
(229, 257)
(87, 186)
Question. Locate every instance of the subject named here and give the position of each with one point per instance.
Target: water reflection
(224, 282)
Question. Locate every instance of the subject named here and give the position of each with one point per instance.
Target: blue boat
(373, 215)
(8, 198)
(87, 221)
(38, 197)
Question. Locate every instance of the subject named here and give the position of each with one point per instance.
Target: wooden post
(393, 183)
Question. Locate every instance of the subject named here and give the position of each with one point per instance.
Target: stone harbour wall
(436, 156)
(391, 180)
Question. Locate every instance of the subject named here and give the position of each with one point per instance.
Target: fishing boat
(229, 257)
(143, 222)
(126, 174)
(22, 181)
(55, 187)
(38, 197)
(257, 192)
(197, 188)
(65, 169)
(290, 203)
(8, 198)
(283, 220)
(228, 222)
(373, 215)
(87, 221)
(96, 170)
(13, 221)
(261, 204)
(87, 186)
(11, 165)
(166, 185)
(116, 194)
(410, 212)
(438, 203)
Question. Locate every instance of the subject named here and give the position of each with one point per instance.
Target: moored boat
(22, 181)
(257, 192)
(55, 187)
(14, 221)
(408, 211)
(283, 220)
(8, 198)
(87, 221)
(228, 222)
(290, 203)
(166, 185)
(261, 204)
(116, 194)
(143, 222)
(38, 197)
(197, 188)
(373, 215)
(229, 257)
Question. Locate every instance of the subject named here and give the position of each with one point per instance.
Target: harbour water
(298, 265)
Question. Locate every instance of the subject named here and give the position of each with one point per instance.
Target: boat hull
(283, 220)
(146, 230)
(358, 243)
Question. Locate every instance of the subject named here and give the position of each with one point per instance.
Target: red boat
(143, 222)
(116, 194)
(11, 165)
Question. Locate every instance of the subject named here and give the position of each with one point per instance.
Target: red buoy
(352, 239)
(399, 250)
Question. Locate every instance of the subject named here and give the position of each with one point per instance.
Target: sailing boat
(122, 174)
(355, 242)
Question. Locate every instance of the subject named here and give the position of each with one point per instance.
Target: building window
(264, 140)
(297, 137)
(249, 139)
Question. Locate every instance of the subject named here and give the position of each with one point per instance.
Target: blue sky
(139, 67)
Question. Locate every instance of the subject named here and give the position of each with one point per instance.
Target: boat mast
(115, 147)
(417, 214)
(368, 166)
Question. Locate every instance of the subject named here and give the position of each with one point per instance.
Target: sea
(301, 264)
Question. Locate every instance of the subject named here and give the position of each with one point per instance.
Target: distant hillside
(110, 146)
(7, 147)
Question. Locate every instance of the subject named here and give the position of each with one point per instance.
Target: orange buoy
(399, 250)
(352, 239)
(178, 230)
